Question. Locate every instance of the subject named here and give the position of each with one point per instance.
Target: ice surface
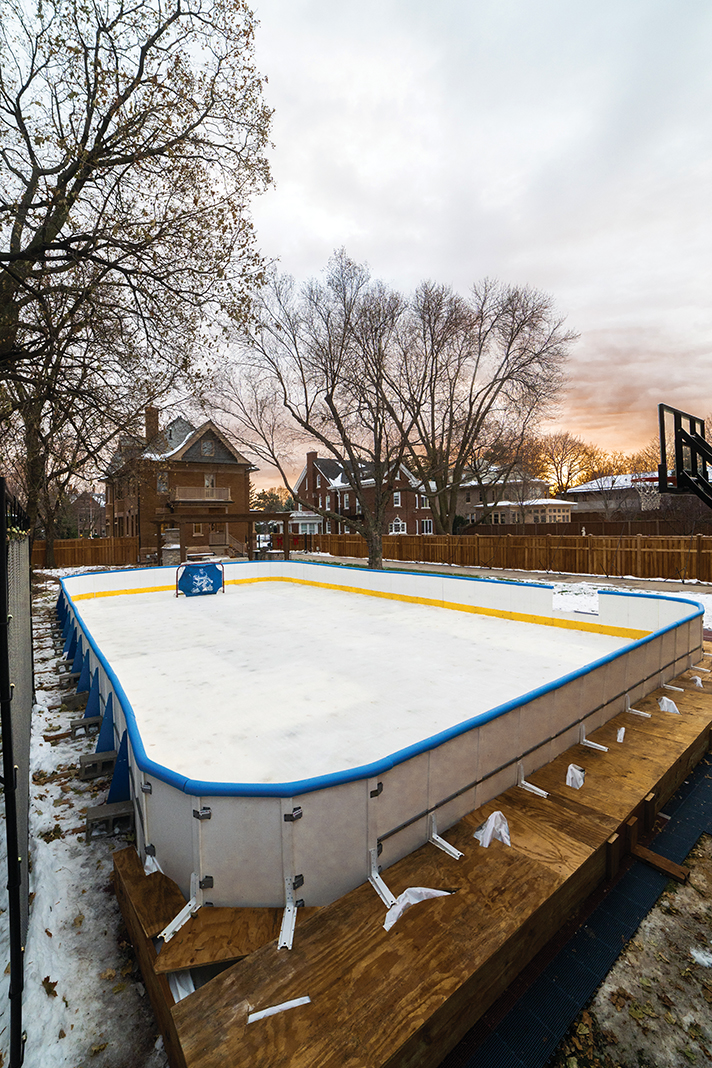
(273, 682)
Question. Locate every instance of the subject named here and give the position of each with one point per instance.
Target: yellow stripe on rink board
(519, 617)
(453, 606)
(121, 593)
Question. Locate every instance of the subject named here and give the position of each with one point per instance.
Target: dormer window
(207, 447)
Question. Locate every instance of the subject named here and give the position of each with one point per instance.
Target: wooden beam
(667, 867)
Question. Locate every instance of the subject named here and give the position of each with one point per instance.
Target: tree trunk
(374, 540)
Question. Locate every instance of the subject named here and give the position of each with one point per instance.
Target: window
(397, 476)
(320, 501)
(318, 481)
(328, 501)
(397, 499)
(207, 447)
(424, 502)
(346, 501)
(467, 497)
(162, 482)
(426, 526)
(358, 506)
(197, 530)
(397, 527)
(328, 526)
(300, 508)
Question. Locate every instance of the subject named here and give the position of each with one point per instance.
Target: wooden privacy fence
(88, 552)
(638, 556)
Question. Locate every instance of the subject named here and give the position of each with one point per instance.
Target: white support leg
(377, 882)
(635, 711)
(436, 840)
(289, 917)
(583, 740)
(521, 781)
(188, 910)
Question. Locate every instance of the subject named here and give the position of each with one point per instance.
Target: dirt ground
(654, 1009)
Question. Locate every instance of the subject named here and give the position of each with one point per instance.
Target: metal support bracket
(205, 813)
(521, 781)
(377, 882)
(289, 917)
(677, 689)
(583, 740)
(146, 788)
(294, 815)
(436, 840)
(635, 711)
(188, 910)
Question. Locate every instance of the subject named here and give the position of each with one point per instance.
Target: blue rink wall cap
(202, 788)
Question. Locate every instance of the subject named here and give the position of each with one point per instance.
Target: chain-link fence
(16, 693)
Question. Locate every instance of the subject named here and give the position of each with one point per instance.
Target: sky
(557, 144)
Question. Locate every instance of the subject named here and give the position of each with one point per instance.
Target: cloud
(561, 145)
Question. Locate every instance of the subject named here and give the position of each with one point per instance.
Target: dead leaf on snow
(78, 919)
(108, 974)
(48, 932)
(118, 988)
(619, 998)
(49, 987)
(98, 1048)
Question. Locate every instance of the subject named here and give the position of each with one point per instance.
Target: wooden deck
(404, 998)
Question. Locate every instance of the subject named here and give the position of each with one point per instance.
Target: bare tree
(475, 378)
(132, 137)
(444, 383)
(313, 368)
(567, 460)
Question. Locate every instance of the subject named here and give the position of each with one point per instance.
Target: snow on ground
(84, 1004)
(274, 683)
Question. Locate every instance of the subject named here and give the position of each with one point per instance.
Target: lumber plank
(215, 935)
(155, 898)
(386, 989)
(128, 874)
(667, 867)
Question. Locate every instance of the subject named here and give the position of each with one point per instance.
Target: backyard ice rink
(273, 682)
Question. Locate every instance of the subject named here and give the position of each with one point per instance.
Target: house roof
(532, 502)
(609, 482)
(173, 442)
(169, 440)
(338, 474)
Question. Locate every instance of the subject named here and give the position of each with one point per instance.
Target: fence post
(638, 556)
(698, 559)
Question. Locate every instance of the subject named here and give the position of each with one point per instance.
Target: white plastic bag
(495, 826)
(621, 734)
(575, 776)
(697, 681)
(409, 897)
(666, 705)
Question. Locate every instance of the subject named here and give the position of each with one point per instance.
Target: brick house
(176, 470)
(326, 483)
(514, 498)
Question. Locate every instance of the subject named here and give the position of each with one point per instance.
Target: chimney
(151, 423)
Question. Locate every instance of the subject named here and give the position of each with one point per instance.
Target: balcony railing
(201, 493)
